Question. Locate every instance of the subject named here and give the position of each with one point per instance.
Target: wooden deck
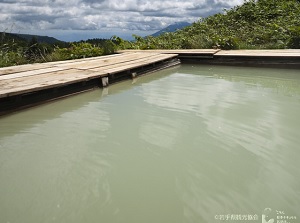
(35, 77)
(182, 53)
(287, 58)
(27, 85)
(259, 53)
(255, 57)
(225, 53)
(178, 51)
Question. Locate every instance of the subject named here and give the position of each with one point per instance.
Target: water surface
(188, 144)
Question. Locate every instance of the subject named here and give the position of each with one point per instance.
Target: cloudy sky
(81, 19)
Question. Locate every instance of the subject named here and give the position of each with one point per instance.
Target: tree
(33, 51)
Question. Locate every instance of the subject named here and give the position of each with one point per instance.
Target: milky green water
(188, 144)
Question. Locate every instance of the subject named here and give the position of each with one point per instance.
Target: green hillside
(171, 28)
(40, 39)
(16, 49)
(9, 38)
(261, 24)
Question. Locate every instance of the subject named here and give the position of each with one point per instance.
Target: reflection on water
(182, 145)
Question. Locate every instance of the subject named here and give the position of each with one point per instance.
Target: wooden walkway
(285, 57)
(259, 53)
(280, 52)
(179, 51)
(182, 53)
(35, 77)
(225, 53)
(27, 85)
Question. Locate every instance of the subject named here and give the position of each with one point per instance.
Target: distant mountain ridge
(40, 39)
(28, 37)
(171, 28)
(6, 37)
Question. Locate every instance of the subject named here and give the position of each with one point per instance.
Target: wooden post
(104, 81)
(133, 75)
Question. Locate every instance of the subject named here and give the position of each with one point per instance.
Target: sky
(73, 20)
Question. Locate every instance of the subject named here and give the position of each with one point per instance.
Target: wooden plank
(82, 64)
(176, 51)
(102, 62)
(31, 84)
(22, 68)
(260, 53)
(82, 59)
(37, 66)
(217, 52)
(148, 58)
(44, 78)
(31, 73)
(136, 63)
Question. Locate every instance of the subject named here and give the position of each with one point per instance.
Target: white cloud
(133, 15)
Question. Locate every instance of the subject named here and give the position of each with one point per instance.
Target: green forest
(256, 24)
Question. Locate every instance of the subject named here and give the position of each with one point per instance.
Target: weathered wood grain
(260, 53)
(31, 78)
